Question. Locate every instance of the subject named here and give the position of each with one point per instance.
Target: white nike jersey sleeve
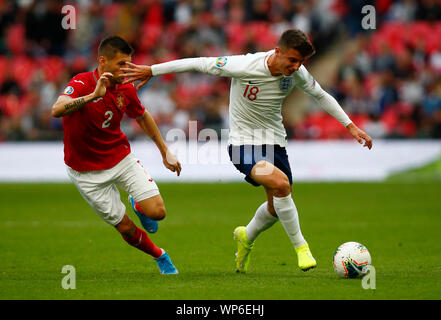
(228, 66)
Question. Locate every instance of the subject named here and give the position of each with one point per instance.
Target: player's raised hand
(172, 163)
(135, 72)
(102, 83)
(360, 135)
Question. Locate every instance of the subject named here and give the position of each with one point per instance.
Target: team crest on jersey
(69, 90)
(221, 61)
(120, 101)
(285, 83)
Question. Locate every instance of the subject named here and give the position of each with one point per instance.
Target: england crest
(285, 83)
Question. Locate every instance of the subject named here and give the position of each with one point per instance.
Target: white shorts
(99, 189)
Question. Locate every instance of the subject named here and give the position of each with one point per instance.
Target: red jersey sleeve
(135, 109)
(77, 87)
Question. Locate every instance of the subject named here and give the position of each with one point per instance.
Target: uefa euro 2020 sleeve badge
(221, 61)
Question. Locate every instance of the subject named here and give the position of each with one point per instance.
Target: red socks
(141, 241)
(138, 207)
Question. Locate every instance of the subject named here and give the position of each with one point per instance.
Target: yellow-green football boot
(305, 259)
(243, 249)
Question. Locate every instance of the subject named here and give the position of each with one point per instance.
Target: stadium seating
(159, 36)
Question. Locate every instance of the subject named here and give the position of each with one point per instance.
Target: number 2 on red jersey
(106, 123)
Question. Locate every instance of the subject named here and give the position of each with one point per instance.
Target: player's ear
(102, 60)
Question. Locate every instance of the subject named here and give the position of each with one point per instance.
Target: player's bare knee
(153, 208)
(281, 186)
(158, 212)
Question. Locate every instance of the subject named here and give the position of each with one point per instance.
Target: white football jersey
(256, 96)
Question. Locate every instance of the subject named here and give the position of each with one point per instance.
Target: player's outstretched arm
(360, 135)
(228, 66)
(148, 125)
(66, 105)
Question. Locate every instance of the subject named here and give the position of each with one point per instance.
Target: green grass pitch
(46, 226)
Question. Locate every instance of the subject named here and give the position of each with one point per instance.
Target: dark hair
(297, 39)
(111, 45)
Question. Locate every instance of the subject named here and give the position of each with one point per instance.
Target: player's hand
(102, 83)
(360, 135)
(136, 73)
(171, 162)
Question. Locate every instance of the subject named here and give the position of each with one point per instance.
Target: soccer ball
(351, 260)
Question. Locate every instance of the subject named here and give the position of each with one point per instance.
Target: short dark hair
(297, 39)
(111, 45)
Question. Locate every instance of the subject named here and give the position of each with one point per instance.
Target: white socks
(261, 221)
(287, 212)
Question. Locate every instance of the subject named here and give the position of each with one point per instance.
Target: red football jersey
(93, 139)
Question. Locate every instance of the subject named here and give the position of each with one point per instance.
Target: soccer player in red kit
(97, 153)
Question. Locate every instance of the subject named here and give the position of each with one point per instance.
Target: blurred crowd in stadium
(388, 80)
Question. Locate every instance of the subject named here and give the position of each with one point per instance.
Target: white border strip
(209, 162)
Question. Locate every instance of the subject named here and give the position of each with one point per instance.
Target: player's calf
(126, 227)
(137, 238)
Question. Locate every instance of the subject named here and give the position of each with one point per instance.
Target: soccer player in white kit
(257, 140)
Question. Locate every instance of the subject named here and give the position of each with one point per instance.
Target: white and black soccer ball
(351, 260)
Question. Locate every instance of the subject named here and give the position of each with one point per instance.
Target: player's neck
(100, 71)
(271, 62)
